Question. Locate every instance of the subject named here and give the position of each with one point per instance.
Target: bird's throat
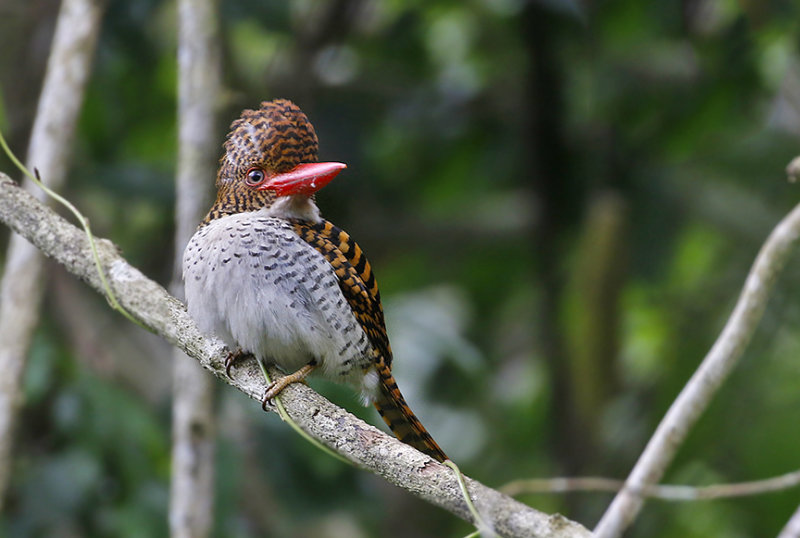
(298, 206)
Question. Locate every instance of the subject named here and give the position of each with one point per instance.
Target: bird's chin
(295, 206)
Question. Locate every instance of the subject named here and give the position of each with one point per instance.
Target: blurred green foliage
(483, 140)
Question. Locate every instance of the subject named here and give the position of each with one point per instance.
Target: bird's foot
(234, 357)
(277, 386)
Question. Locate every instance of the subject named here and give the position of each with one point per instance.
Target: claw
(269, 394)
(277, 386)
(232, 358)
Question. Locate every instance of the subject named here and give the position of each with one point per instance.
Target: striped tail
(401, 420)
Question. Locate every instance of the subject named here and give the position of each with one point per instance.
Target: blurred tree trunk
(555, 189)
(22, 286)
(580, 306)
(323, 24)
(592, 311)
(193, 426)
(26, 38)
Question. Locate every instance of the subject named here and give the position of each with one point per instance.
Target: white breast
(253, 282)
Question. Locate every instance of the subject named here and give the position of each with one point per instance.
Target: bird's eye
(254, 176)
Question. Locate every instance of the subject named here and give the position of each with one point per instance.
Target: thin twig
(666, 492)
(696, 395)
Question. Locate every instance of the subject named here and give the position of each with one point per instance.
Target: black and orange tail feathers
(401, 420)
(358, 285)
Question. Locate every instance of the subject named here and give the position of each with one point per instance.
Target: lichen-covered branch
(357, 441)
(696, 395)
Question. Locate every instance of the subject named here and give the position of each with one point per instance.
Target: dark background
(561, 201)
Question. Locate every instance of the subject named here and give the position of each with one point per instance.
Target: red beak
(303, 178)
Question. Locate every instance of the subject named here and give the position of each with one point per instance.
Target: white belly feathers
(252, 281)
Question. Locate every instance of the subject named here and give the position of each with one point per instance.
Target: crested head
(276, 138)
(263, 145)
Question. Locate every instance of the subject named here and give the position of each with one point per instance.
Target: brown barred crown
(276, 138)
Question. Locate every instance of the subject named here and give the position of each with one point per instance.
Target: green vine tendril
(109, 294)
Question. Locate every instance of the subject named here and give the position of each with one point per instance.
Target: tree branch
(792, 528)
(364, 445)
(696, 395)
(666, 492)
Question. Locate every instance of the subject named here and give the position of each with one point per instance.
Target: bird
(269, 276)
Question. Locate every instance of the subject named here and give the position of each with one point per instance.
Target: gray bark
(193, 415)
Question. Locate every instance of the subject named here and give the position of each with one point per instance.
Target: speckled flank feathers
(355, 276)
(268, 275)
(358, 284)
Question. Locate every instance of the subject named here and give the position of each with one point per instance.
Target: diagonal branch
(357, 441)
(712, 372)
(792, 528)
